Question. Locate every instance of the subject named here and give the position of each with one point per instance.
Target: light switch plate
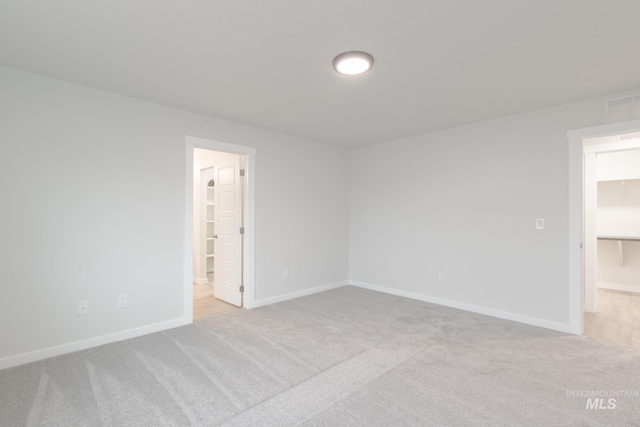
(539, 223)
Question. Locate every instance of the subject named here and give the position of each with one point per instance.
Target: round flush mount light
(352, 63)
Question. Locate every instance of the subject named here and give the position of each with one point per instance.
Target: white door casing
(248, 155)
(577, 149)
(590, 232)
(227, 276)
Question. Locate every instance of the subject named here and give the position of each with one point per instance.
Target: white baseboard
(200, 281)
(33, 356)
(562, 327)
(45, 353)
(618, 287)
(298, 294)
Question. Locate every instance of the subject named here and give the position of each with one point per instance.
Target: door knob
(215, 236)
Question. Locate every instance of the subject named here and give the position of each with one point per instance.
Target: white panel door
(227, 277)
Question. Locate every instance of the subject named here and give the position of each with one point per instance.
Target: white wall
(611, 275)
(619, 165)
(619, 215)
(92, 189)
(619, 209)
(464, 202)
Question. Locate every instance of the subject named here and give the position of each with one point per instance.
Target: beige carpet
(346, 357)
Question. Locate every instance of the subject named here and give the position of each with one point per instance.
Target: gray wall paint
(464, 202)
(92, 188)
(92, 206)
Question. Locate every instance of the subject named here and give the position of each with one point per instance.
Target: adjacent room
(616, 291)
(334, 213)
(218, 189)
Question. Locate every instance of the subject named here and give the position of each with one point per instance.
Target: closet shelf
(625, 238)
(210, 255)
(618, 181)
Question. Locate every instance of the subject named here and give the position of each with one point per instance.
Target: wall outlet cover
(83, 307)
(122, 301)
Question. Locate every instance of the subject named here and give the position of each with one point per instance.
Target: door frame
(577, 212)
(248, 253)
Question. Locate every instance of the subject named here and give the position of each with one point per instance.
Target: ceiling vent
(624, 108)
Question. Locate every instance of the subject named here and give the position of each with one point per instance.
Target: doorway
(218, 231)
(219, 219)
(610, 143)
(612, 219)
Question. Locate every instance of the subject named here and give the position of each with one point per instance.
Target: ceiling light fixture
(352, 63)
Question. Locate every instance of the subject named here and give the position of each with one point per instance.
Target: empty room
(332, 213)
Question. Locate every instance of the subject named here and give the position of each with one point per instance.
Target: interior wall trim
(561, 327)
(298, 294)
(618, 287)
(58, 350)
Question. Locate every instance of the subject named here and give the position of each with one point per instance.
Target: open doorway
(586, 145)
(218, 231)
(219, 219)
(612, 238)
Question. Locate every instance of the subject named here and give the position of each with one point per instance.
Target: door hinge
(241, 172)
(241, 230)
(242, 288)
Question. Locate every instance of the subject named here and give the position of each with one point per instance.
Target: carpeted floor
(346, 357)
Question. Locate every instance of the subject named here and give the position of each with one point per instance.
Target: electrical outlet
(539, 223)
(83, 308)
(441, 278)
(122, 301)
(285, 274)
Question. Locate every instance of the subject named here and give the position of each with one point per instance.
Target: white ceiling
(267, 63)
